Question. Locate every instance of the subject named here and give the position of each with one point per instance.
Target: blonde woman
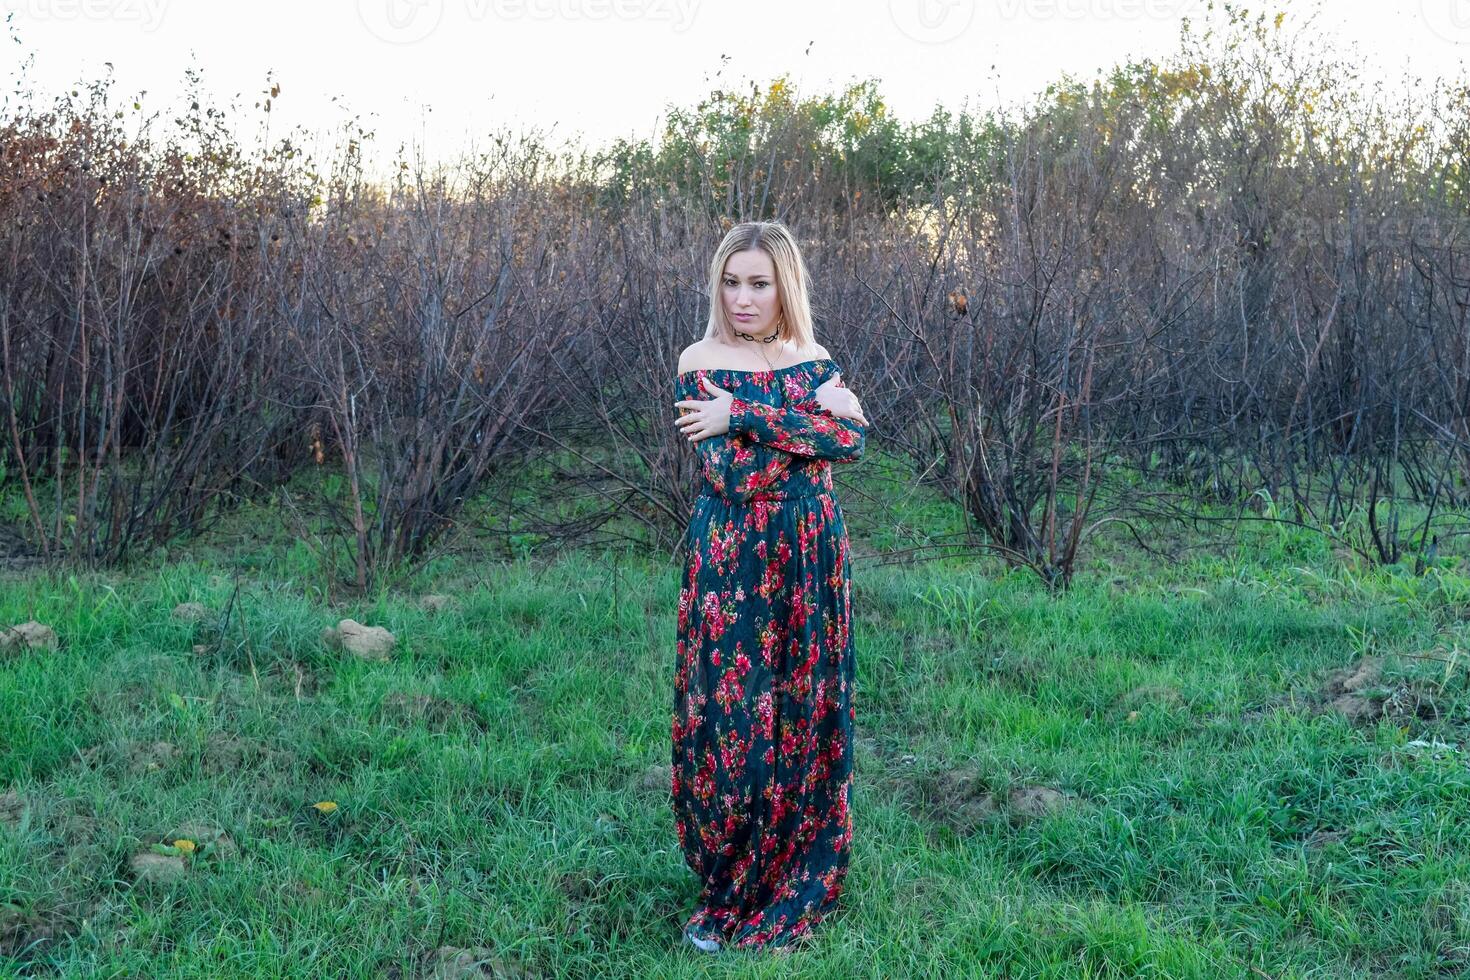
(762, 719)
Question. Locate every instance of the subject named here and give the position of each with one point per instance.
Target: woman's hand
(839, 400)
(709, 416)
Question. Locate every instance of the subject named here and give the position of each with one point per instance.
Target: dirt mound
(26, 935)
(1037, 801)
(436, 713)
(473, 963)
(656, 779)
(957, 799)
(1363, 695)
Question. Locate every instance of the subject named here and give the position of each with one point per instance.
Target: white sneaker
(705, 945)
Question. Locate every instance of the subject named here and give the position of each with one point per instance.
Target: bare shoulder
(709, 355)
(696, 357)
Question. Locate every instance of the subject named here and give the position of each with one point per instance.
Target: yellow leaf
(185, 845)
(326, 806)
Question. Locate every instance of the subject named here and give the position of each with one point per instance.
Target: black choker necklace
(764, 340)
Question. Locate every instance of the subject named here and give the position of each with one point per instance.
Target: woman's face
(748, 287)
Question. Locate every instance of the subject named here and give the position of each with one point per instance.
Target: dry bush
(1234, 275)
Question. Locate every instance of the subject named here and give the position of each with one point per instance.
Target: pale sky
(442, 73)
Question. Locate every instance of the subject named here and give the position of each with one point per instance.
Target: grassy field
(1249, 761)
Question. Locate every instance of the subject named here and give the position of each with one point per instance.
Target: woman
(762, 720)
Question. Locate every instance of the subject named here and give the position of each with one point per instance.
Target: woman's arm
(805, 429)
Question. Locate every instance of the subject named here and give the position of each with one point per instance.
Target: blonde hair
(776, 240)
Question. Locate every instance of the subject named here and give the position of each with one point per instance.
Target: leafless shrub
(1228, 285)
(139, 354)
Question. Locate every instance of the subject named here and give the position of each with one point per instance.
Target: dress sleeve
(802, 428)
(736, 468)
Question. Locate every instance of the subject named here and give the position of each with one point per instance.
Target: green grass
(1217, 822)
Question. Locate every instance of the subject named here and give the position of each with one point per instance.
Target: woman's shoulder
(705, 355)
(694, 357)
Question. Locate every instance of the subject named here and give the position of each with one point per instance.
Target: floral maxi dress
(762, 715)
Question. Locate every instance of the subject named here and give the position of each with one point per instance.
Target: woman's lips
(745, 316)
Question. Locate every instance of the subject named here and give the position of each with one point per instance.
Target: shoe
(704, 945)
